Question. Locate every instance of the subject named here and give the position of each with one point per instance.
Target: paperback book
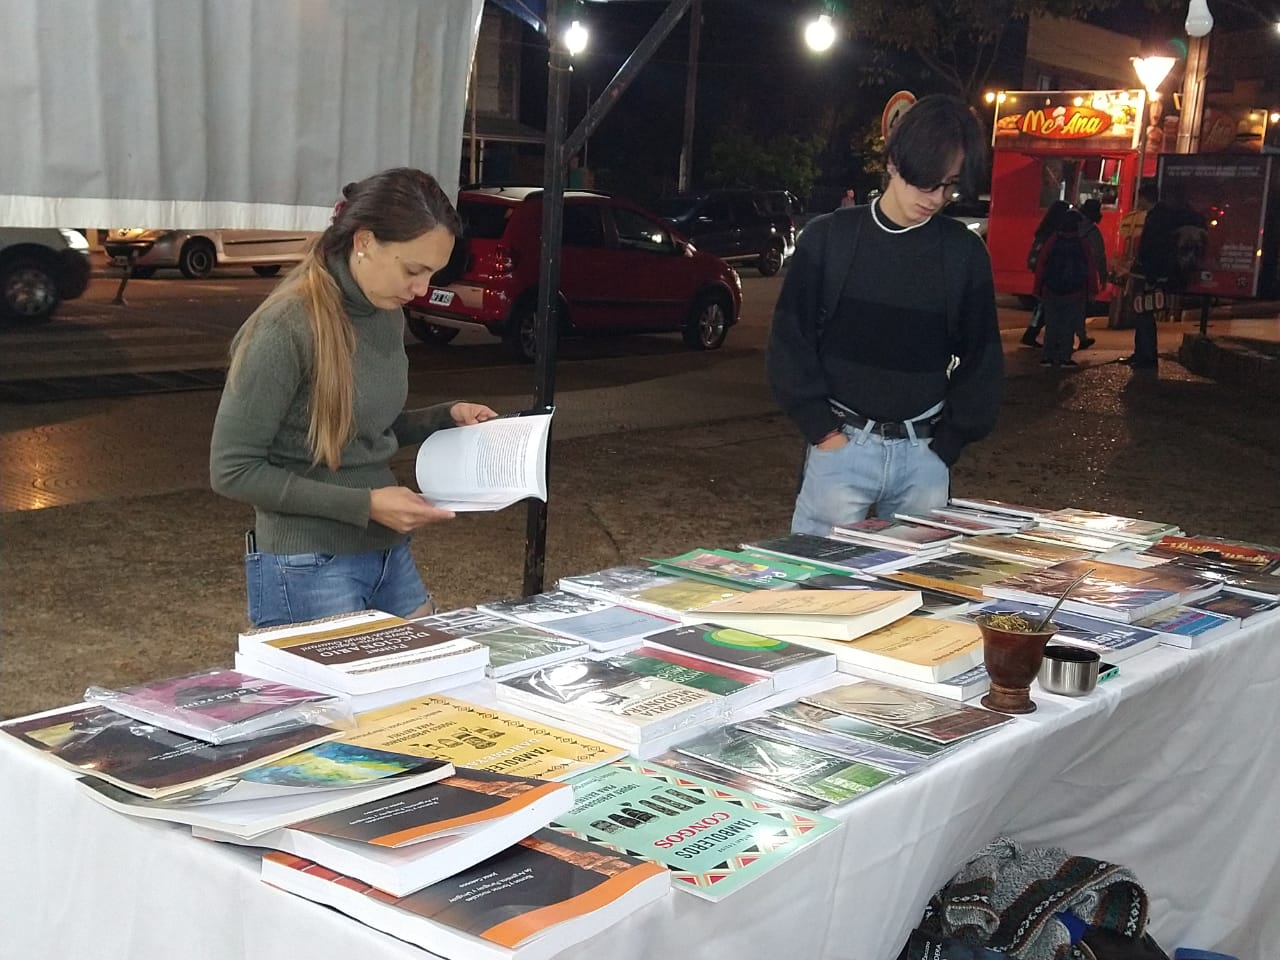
(896, 534)
(960, 575)
(968, 523)
(855, 728)
(923, 648)
(969, 685)
(1110, 525)
(600, 623)
(738, 688)
(145, 759)
(647, 589)
(222, 706)
(1213, 553)
(735, 569)
(1239, 606)
(998, 506)
(517, 648)
(363, 652)
(714, 839)
(832, 614)
(1019, 549)
(821, 775)
(786, 664)
(420, 837)
(1088, 542)
(319, 780)
(1188, 627)
(485, 466)
(1108, 590)
(529, 902)
(908, 710)
(674, 760)
(834, 743)
(839, 555)
(614, 702)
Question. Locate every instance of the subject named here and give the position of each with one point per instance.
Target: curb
(1236, 363)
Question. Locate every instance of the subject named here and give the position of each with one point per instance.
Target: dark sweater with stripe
(887, 346)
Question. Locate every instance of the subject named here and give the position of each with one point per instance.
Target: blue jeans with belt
(895, 476)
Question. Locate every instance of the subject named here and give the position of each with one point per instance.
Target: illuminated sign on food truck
(1062, 119)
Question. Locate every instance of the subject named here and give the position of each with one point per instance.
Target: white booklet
(486, 466)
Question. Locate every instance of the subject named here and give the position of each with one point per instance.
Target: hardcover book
(362, 653)
(833, 614)
(145, 759)
(821, 775)
(529, 902)
(1108, 590)
(788, 664)
(923, 648)
(600, 623)
(222, 706)
(908, 710)
(420, 837)
(714, 839)
(828, 552)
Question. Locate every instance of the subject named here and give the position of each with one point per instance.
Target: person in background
(313, 411)
(1171, 244)
(849, 199)
(1048, 225)
(1091, 210)
(1066, 279)
(1131, 230)
(885, 349)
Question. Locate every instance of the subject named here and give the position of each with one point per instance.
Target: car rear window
(484, 221)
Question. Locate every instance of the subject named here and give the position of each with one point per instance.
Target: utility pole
(690, 96)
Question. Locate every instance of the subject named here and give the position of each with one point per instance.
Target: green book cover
(715, 839)
(679, 673)
(735, 568)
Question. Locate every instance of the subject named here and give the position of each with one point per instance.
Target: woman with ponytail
(313, 411)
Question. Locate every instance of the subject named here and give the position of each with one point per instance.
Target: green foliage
(741, 159)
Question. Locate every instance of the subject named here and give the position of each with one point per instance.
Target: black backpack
(1066, 271)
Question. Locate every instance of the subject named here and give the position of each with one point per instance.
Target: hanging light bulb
(576, 38)
(1199, 19)
(820, 34)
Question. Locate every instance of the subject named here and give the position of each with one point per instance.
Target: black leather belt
(890, 430)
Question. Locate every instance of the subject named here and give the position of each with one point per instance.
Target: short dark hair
(1149, 193)
(925, 141)
(1092, 209)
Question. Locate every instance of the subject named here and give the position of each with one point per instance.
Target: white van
(197, 252)
(39, 268)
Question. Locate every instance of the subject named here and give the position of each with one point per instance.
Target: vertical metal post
(690, 98)
(553, 181)
(1191, 114)
(475, 152)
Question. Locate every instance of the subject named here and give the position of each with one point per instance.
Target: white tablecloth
(1172, 769)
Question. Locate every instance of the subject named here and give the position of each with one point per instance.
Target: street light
(575, 38)
(820, 34)
(1151, 73)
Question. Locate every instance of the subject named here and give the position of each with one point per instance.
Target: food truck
(1052, 145)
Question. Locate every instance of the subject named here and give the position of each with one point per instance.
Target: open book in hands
(486, 466)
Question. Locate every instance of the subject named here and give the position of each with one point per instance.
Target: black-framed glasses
(950, 188)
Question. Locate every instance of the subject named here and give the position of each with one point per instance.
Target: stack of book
(647, 589)
(841, 556)
(965, 521)
(961, 575)
(927, 649)
(1020, 549)
(371, 658)
(786, 664)
(897, 535)
(601, 624)
(1122, 529)
(739, 569)
(829, 614)
(906, 711)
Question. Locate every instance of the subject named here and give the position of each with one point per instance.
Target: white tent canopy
(223, 113)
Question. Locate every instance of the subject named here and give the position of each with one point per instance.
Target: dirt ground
(126, 590)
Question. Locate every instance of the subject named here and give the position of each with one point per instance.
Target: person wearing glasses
(885, 349)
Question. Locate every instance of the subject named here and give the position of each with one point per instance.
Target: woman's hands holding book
(403, 510)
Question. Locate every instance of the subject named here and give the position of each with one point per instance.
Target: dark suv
(739, 226)
(622, 270)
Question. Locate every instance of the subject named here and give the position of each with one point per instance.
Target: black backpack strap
(842, 244)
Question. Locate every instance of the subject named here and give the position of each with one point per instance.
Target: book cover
(1109, 590)
(1239, 606)
(486, 738)
(530, 901)
(834, 614)
(361, 655)
(603, 693)
(904, 536)
(221, 706)
(828, 552)
(146, 759)
(714, 839)
(1188, 627)
(908, 710)
(998, 506)
(738, 687)
(960, 575)
(1019, 549)
(789, 664)
(736, 568)
(463, 622)
(818, 774)
(1109, 524)
(1116, 641)
(855, 728)
(958, 522)
(969, 685)
(1225, 554)
(923, 648)
(601, 623)
(1089, 542)
(834, 743)
(518, 648)
(647, 589)
(674, 760)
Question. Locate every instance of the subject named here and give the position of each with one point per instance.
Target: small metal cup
(1069, 671)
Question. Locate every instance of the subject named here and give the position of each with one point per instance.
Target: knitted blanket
(1007, 896)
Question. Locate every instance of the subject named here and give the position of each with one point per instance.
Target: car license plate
(440, 298)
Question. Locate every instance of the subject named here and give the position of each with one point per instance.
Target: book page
(485, 466)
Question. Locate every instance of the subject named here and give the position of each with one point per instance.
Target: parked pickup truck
(736, 226)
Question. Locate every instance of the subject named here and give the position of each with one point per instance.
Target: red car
(622, 270)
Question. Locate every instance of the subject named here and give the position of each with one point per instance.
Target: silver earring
(359, 254)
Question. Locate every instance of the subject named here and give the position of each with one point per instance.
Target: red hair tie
(337, 210)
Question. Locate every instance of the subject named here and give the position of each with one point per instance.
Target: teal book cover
(713, 838)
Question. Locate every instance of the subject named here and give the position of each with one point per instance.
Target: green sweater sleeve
(251, 415)
(414, 426)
